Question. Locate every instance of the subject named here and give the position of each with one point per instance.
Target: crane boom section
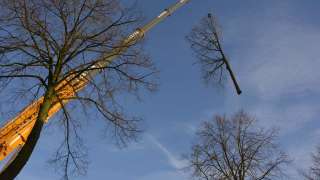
(16, 131)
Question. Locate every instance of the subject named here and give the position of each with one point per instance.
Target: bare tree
(234, 149)
(205, 42)
(45, 45)
(314, 170)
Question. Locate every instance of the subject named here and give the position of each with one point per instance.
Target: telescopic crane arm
(16, 131)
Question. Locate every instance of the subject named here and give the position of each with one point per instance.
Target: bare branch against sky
(45, 45)
(314, 169)
(235, 149)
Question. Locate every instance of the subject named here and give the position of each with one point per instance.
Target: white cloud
(284, 61)
(165, 175)
(174, 161)
(278, 62)
(288, 118)
(300, 153)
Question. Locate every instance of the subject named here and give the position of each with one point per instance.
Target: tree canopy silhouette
(44, 45)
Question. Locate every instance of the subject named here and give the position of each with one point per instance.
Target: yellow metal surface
(15, 133)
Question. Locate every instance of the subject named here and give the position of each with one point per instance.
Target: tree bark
(14, 168)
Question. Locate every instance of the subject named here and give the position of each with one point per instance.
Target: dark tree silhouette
(235, 149)
(45, 43)
(314, 170)
(205, 42)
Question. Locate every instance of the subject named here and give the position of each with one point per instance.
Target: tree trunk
(14, 168)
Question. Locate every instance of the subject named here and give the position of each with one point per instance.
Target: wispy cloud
(288, 118)
(164, 175)
(281, 73)
(277, 65)
(286, 62)
(176, 162)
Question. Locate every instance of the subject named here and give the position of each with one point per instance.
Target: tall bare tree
(314, 170)
(45, 43)
(234, 149)
(205, 41)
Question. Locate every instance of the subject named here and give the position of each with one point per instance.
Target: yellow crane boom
(16, 131)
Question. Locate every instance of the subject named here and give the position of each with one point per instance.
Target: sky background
(273, 47)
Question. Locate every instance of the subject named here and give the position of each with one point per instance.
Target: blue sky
(273, 47)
